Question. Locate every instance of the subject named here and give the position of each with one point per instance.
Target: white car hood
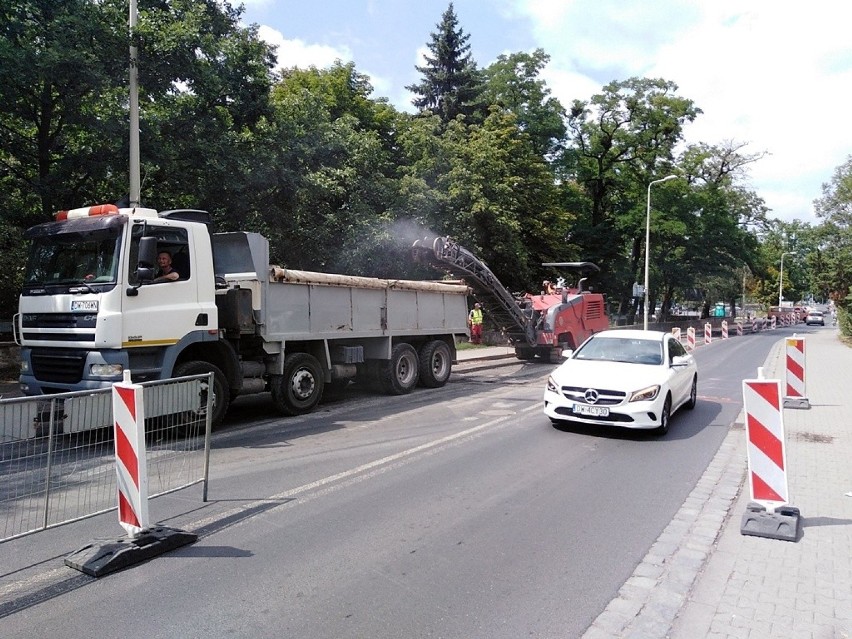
(609, 375)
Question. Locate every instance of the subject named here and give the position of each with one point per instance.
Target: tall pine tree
(451, 82)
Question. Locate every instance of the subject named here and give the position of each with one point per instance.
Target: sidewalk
(703, 579)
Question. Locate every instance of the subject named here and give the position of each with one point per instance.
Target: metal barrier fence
(57, 457)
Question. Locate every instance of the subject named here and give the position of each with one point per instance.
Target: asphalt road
(456, 512)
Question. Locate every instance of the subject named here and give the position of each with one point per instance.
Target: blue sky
(775, 75)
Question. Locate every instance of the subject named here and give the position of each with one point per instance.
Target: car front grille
(606, 397)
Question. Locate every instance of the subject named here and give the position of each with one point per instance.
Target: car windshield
(618, 349)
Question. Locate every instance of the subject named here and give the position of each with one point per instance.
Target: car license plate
(90, 306)
(592, 411)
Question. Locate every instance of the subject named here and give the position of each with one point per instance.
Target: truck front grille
(59, 320)
(58, 366)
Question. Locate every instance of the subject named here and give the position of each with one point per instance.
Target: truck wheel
(435, 364)
(221, 393)
(398, 376)
(299, 389)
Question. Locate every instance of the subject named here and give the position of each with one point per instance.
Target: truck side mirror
(147, 253)
(145, 264)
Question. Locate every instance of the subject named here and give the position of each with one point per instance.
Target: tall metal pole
(647, 244)
(135, 181)
(781, 279)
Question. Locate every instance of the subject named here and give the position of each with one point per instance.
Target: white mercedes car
(627, 378)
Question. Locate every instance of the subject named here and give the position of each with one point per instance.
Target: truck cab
(90, 308)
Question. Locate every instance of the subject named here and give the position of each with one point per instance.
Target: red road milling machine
(536, 325)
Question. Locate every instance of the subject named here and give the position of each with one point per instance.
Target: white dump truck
(93, 306)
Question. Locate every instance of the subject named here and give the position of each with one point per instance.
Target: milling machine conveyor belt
(501, 308)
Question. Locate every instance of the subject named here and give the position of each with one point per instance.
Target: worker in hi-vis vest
(474, 321)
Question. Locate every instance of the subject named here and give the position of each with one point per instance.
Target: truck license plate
(592, 411)
(90, 306)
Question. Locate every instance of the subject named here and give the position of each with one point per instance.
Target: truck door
(161, 312)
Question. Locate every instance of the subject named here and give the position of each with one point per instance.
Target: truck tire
(299, 389)
(221, 392)
(435, 364)
(399, 375)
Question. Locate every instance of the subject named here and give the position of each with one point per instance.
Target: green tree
(204, 79)
(834, 208)
(326, 168)
(204, 94)
(451, 83)
(513, 83)
(63, 66)
(621, 140)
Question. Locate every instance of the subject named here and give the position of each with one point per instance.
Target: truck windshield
(68, 259)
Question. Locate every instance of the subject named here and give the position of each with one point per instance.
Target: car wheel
(693, 394)
(665, 415)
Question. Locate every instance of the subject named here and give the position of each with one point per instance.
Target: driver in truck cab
(167, 273)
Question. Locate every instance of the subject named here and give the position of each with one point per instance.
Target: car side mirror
(680, 361)
(567, 353)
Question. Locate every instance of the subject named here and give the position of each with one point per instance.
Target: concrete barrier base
(784, 523)
(101, 557)
(797, 402)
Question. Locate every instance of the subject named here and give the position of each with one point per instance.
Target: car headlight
(645, 395)
(551, 385)
(25, 366)
(106, 370)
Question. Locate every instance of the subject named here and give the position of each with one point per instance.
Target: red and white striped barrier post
(739, 329)
(676, 332)
(768, 515)
(724, 329)
(130, 460)
(773, 322)
(143, 542)
(708, 333)
(690, 338)
(795, 395)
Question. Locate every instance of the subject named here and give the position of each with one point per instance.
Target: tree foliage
(450, 86)
(339, 180)
(833, 276)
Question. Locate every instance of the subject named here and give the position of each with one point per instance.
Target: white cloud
(298, 53)
(773, 74)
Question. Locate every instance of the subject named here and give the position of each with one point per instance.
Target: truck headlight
(106, 370)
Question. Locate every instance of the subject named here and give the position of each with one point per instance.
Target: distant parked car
(627, 378)
(815, 317)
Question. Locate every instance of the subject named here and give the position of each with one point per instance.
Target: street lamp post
(781, 279)
(647, 243)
